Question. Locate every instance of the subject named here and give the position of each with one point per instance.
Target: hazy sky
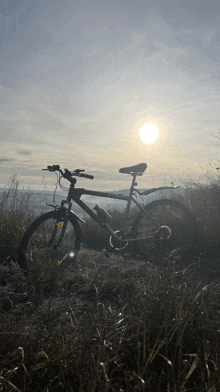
(79, 78)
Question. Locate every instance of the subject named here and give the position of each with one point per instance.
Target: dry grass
(109, 325)
(15, 213)
(117, 324)
(203, 199)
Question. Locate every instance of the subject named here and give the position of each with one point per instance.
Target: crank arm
(138, 238)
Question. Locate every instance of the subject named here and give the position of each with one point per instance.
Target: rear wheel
(42, 240)
(169, 223)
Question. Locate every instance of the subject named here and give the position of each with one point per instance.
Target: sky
(80, 77)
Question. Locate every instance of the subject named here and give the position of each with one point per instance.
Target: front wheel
(164, 225)
(45, 239)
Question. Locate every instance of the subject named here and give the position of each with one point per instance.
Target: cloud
(24, 152)
(84, 73)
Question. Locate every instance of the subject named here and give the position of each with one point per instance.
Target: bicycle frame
(76, 193)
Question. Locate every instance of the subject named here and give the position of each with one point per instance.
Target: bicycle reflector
(71, 254)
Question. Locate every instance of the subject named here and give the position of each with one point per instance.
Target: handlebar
(67, 174)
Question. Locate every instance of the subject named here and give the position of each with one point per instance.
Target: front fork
(58, 223)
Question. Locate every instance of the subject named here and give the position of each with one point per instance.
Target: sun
(148, 133)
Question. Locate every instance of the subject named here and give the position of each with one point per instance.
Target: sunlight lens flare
(148, 133)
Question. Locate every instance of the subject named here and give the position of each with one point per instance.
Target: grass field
(111, 324)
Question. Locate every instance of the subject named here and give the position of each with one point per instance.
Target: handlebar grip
(87, 176)
(50, 168)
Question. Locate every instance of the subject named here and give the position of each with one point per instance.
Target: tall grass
(15, 213)
(203, 199)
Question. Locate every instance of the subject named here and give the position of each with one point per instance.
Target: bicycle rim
(178, 227)
(42, 241)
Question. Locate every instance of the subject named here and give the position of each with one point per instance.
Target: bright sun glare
(148, 133)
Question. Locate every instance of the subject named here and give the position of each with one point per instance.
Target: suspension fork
(57, 223)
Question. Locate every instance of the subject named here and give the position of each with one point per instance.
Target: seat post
(130, 196)
(134, 175)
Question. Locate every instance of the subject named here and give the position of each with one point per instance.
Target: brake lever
(53, 168)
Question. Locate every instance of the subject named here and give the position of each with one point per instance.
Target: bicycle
(161, 224)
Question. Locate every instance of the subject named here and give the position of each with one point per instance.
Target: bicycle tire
(168, 213)
(34, 243)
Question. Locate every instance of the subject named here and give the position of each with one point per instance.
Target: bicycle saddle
(140, 168)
